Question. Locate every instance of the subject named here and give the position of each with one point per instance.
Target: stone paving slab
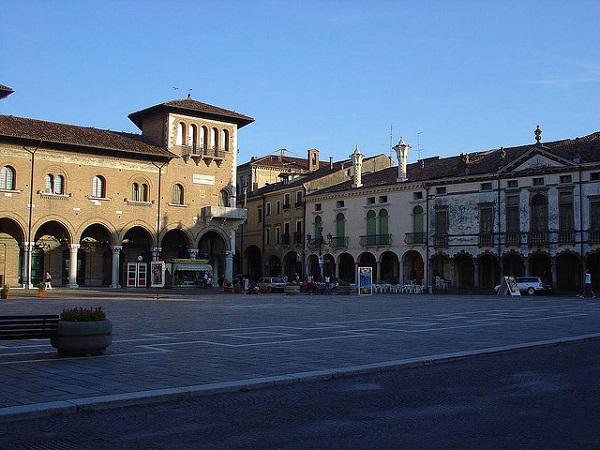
(179, 344)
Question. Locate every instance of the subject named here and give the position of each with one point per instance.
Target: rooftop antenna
(391, 138)
(419, 144)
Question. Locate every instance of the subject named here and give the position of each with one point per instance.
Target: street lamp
(319, 242)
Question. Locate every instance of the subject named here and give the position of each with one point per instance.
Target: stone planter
(82, 338)
(291, 289)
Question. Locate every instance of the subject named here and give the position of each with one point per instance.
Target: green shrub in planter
(82, 315)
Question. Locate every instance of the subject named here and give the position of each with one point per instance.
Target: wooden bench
(28, 327)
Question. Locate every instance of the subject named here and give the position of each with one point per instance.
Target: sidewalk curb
(37, 410)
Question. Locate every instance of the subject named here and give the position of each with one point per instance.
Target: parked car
(274, 284)
(531, 285)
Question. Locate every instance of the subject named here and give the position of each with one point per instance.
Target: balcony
(202, 153)
(538, 238)
(486, 239)
(339, 242)
(297, 238)
(594, 236)
(513, 238)
(224, 213)
(375, 240)
(566, 237)
(414, 238)
(298, 205)
(440, 241)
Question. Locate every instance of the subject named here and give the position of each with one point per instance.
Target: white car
(531, 285)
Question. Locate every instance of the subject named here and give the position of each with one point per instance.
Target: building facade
(272, 241)
(94, 207)
(468, 220)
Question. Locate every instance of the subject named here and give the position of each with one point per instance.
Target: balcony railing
(594, 236)
(440, 240)
(414, 238)
(224, 212)
(339, 242)
(538, 238)
(566, 237)
(298, 204)
(375, 240)
(297, 238)
(513, 238)
(202, 152)
(486, 239)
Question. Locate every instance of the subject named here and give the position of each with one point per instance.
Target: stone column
(475, 274)
(116, 257)
(26, 271)
(378, 272)
(401, 279)
(228, 266)
(73, 248)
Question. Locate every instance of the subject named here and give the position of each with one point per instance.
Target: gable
(537, 162)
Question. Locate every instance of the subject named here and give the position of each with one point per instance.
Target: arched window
(144, 194)
(384, 237)
(340, 230)
(177, 194)
(419, 236)
(223, 198)
(180, 138)
(59, 184)
(193, 137)
(371, 227)
(225, 140)
(318, 227)
(214, 141)
(7, 178)
(539, 213)
(49, 182)
(203, 134)
(98, 187)
(135, 192)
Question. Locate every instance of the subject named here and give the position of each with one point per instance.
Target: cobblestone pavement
(182, 344)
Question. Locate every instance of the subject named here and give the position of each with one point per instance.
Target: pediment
(537, 158)
(537, 162)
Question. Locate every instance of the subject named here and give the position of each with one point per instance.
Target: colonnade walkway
(170, 344)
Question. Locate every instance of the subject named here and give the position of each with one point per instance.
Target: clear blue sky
(456, 76)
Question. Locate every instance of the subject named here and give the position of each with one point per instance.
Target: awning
(191, 266)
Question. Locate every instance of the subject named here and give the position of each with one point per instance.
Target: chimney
(313, 159)
(331, 162)
(401, 149)
(357, 159)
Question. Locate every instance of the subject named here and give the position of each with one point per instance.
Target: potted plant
(263, 288)
(237, 289)
(227, 286)
(82, 332)
(4, 291)
(41, 287)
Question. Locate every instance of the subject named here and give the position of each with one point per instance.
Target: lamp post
(318, 242)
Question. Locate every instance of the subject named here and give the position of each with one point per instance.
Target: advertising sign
(365, 281)
(157, 270)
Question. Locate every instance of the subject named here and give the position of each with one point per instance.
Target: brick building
(93, 207)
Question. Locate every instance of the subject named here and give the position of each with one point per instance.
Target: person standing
(48, 280)
(327, 284)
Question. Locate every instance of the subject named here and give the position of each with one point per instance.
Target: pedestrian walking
(587, 285)
(327, 284)
(48, 280)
